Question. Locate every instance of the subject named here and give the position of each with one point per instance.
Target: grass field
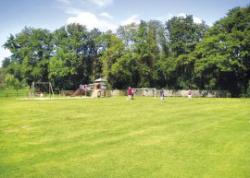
(113, 137)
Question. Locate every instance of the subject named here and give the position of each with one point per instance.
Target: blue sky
(103, 14)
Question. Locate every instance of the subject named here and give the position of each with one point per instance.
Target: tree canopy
(177, 54)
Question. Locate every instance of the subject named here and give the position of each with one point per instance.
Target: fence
(139, 92)
(175, 93)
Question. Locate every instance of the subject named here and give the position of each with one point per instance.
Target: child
(162, 94)
(189, 94)
(133, 92)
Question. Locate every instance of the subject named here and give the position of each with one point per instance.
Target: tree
(31, 51)
(94, 46)
(124, 71)
(147, 52)
(113, 49)
(127, 34)
(183, 35)
(2, 78)
(12, 82)
(76, 59)
(222, 58)
(179, 54)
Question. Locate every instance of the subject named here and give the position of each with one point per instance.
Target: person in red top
(130, 93)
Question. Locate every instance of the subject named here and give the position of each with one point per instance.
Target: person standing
(162, 94)
(155, 93)
(189, 94)
(133, 92)
(130, 93)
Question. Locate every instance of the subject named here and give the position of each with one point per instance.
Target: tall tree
(180, 54)
(75, 56)
(112, 49)
(127, 34)
(222, 58)
(147, 52)
(31, 50)
(183, 35)
(94, 51)
(2, 77)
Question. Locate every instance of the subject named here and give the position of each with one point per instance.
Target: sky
(103, 14)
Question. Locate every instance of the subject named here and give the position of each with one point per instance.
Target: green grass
(113, 137)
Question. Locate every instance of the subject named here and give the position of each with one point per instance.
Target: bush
(247, 91)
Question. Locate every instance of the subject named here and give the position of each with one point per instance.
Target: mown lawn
(113, 137)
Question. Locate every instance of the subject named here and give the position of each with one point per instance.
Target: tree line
(177, 54)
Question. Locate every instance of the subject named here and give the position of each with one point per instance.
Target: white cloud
(181, 15)
(67, 2)
(197, 20)
(72, 11)
(101, 3)
(91, 21)
(132, 19)
(103, 21)
(106, 15)
(169, 16)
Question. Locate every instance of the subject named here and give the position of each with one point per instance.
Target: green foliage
(246, 93)
(127, 34)
(124, 71)
(70, 64)
(179, 54)
(30, 50)
(147, 52)
(13, 82)
(248, 90)
(184, 34)
(222, 58)
(11, 92)
(2, 78)
(114, 50)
